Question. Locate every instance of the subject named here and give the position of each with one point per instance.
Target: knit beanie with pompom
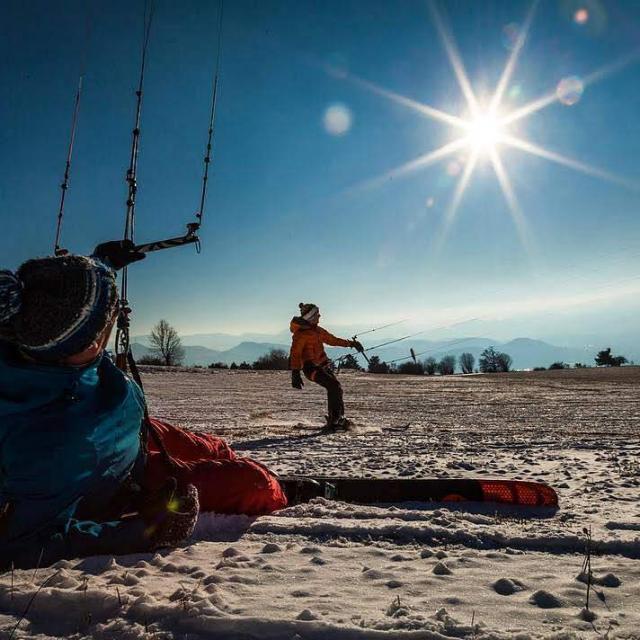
(55, 307)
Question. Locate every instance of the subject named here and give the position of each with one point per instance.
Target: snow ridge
(322, 519)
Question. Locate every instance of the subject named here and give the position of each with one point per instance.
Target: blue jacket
(66, 434)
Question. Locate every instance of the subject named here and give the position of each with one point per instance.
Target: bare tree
(430, 366)
(504, 362)
(604, 358)
(350, 362)
(447, 365)
(276, 359)
(488, 360)
(165, 344)
(492, 361)
(411, 368)
(466, 362)
(376, 366)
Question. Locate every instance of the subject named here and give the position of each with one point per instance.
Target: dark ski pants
(327, 379)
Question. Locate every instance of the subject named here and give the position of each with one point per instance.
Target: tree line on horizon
(490, 361)
(166, 350)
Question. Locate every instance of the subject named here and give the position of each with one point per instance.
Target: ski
(301, 489)
(350, 426)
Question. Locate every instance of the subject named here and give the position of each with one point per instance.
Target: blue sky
(293, 211)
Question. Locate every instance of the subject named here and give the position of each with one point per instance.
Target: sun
(485, 131)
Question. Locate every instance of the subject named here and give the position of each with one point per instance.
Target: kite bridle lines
(122, 332)
(190, 237)
(57, 249)
(64, 186)
(390, 342)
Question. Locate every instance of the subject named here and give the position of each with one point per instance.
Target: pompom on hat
(308, 311)
(10, 295)
(55, 307)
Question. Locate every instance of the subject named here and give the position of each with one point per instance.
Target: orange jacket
(307, 345)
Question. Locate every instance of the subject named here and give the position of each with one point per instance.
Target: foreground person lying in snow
(81, 471)
(308, 354)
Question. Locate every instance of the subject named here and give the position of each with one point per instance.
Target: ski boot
(336, 424)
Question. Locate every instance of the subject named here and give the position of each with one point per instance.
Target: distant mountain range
(525, 352)
(198, 355)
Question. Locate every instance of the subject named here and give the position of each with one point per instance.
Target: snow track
(324, 520)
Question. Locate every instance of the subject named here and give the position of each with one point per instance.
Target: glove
(170, 515)
(296, 379)
(118, 253)
(355, 344)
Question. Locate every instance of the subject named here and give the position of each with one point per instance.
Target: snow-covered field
(334, 571)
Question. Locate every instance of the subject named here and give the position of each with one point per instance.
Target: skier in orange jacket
(308, 354)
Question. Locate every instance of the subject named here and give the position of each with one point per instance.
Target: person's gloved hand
(356, 344)
(118, 253)
(296, 379)
(170, 515)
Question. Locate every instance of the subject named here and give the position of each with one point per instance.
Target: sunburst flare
(485, 128)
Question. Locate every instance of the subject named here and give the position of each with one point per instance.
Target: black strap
(147, 429)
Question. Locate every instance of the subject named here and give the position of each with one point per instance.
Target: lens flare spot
(337, 119)
(581, 16)
(515, 92)
(453, 168)
(590, 15)
(570, 90)
(511, 36)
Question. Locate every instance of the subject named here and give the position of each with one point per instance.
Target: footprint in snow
(237, 579)
(399, 557)
(127, 579)
(393, 584)
(546, 600)
(306, 615)
(607, 580)
(372, 574)
(311, 550)
(65, 581)
(508, 586)
(441, 569)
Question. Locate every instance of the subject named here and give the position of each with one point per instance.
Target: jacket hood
(27, 386)
(299, 324)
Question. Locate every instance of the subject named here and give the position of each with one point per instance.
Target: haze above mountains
(532, 336)
(206, 348)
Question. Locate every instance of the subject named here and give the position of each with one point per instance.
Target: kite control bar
(191, 237)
